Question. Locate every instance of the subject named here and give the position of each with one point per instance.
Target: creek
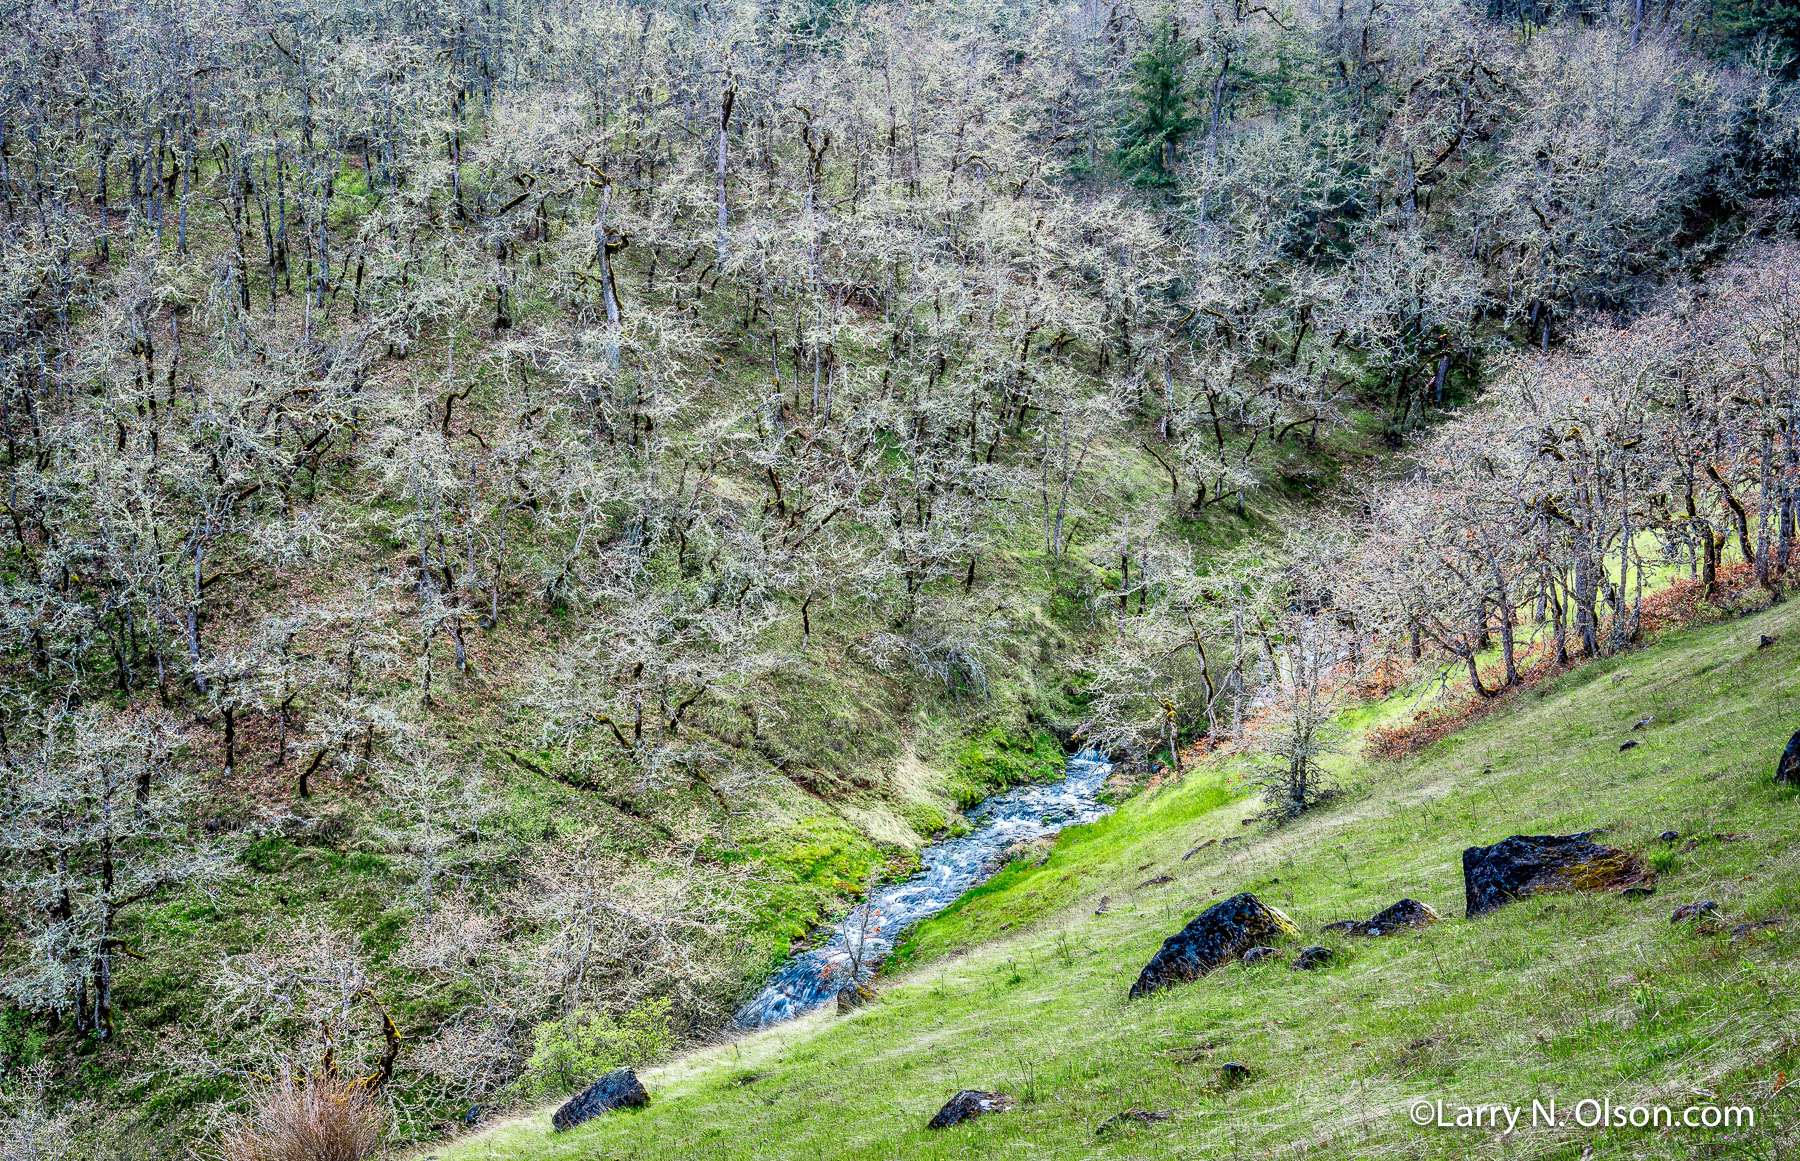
(858, 942)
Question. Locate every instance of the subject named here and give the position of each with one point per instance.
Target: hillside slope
(1568, 997)
(515, 513)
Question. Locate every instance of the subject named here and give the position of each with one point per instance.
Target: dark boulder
(1311, 958)
(1406, 913)
(1217, 935)
(1525, 865)
(967, 1105)
(1788, 769)
(1638, 892)
(1669, 836)
(1231, 1072)
(618, 1089)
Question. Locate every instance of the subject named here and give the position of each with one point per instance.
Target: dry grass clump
(312, 1118)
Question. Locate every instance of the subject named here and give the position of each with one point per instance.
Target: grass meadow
(1021, 986)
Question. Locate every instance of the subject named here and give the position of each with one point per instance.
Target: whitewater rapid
(947, 869)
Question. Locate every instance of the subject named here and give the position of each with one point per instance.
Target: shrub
(314, 1118)
(571, 1053)
(29, 1131)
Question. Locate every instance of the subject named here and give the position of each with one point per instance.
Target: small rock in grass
(1231, 1072)
(853, 996)
(1693, 910)
(1406, 913)
(1158, 881)
(967, 1105)
(1788, 769)
(1135, 1116)
(1628, 744)
(1524, 865)
(1642, 722)
(1105, 905)
(1744, 930)
(1765, 642)
(1638, 892)
(1216, 936)
(618, 1089)
(1311, 958)
(1257, 954)
(1209, 842)
(1669, 836)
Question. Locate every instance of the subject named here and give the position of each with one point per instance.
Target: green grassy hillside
(1022, 986)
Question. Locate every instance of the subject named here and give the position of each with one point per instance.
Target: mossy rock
(1525, 865)
(1217, 936)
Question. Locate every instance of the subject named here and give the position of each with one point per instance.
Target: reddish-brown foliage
(1681, 602)
(1383, 679)
(1460, 707)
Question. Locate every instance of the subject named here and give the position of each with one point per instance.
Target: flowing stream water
(946, 869)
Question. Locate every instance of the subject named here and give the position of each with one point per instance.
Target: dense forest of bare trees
(1668, 444)
(411, 405)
